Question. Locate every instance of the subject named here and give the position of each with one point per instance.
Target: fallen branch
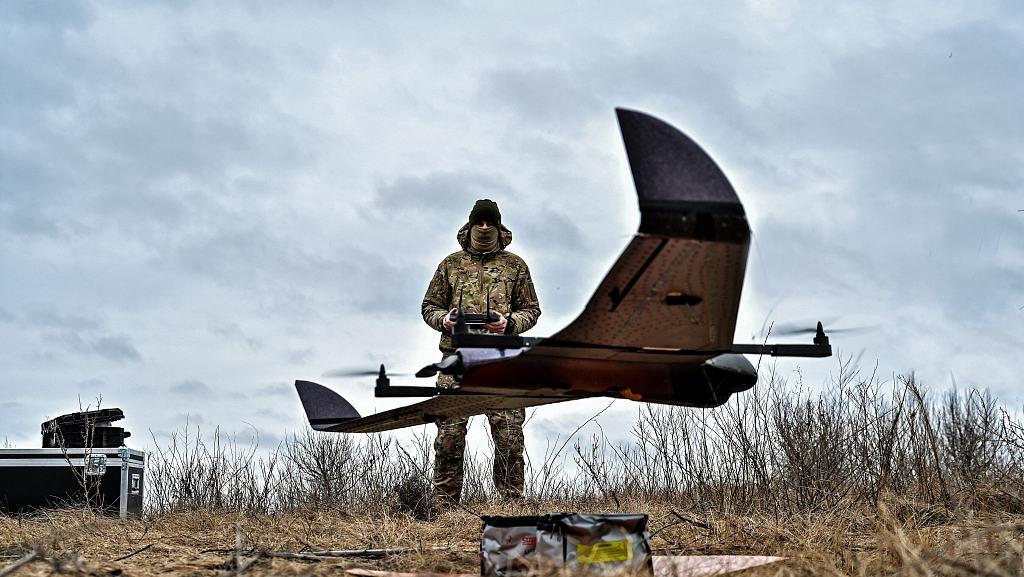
(693, 522)
(297, 556)
(249, 552)
(364, 553)
(371, 553)
(134, 553)
(19, 563)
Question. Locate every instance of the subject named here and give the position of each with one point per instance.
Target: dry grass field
(865, 479)
(841, 542)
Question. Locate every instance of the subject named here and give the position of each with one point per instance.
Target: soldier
(482, 271)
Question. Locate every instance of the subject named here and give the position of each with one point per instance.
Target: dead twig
(370, 553)
(363, 553)
(19, 563)
(297, 556)
(694, 522)
(232, 551)
(134, 553)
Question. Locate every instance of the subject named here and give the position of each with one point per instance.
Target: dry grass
(865, 479)
(847, 542)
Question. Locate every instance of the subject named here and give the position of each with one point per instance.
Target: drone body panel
(685, 295)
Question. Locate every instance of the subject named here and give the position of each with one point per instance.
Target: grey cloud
(112, 134)
(191, 387)
(437, 194)
(559, 244)
(251, 438)
(42, 15)
(196, 419)
(50, 318)
(298, 356)
(397, 286)
(556, 98)
(276, 390)
(112, 347)
(272, 268)
(232, 332)
(250, 256)
(272, 413)
(561, 233)
(580, 90)
(265, 439)
(91, 384)
(933, 251)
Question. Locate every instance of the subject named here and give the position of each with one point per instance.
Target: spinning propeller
(796, 329)
(349, 373)
(383, 386)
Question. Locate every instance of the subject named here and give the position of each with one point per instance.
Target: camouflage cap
(485, 209)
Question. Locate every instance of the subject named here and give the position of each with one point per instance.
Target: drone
(658, 329)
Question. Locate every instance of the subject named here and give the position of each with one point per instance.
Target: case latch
(95, 465)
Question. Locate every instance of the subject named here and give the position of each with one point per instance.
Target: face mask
(483, 241)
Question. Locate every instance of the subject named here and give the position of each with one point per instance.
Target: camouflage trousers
(509, 445)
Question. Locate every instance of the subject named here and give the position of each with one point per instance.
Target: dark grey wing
(329, 411)
(677, 285)
(439, 408)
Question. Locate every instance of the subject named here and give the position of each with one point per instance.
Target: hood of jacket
(504, 239)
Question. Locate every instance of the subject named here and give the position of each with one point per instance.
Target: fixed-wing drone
(659, 328)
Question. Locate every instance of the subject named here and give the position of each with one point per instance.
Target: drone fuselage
(657, 377)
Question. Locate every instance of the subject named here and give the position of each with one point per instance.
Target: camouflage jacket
(500, 276)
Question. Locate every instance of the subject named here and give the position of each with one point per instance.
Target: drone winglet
(670, 170)
(324, 408)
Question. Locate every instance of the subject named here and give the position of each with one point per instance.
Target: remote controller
(475, 318)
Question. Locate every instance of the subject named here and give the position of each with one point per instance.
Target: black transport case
(32, 479)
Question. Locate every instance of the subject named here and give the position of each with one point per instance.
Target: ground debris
(846, 542)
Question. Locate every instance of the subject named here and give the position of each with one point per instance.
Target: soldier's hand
(447, 322)
(497, 326)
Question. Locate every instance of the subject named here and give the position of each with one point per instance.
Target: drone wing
(329, 411)
(677, 284)
(660, 326)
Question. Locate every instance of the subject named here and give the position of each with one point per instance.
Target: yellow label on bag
(604, 552)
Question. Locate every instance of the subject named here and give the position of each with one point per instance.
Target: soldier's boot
(509, 445)
(449, 459)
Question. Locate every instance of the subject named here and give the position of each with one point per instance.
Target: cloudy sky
(202, 202)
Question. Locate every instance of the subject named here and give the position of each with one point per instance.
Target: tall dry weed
(770, 451)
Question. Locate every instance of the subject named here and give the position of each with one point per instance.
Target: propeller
(787, 331)
(352, 373)
(796, 329)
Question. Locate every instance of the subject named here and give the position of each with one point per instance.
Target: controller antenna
(460, 318)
